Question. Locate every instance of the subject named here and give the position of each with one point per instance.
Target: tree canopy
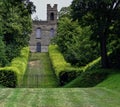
(15, 25)
(74, 42)
(103, 16)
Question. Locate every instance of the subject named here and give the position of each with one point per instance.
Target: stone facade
(44, 31)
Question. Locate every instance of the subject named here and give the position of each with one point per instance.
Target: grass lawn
(112, 82)
(39, 73)
(38, 89)
(59, 97)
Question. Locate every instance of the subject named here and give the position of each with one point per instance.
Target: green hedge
(89, 78)
(63, 70)
(95, 64)
(69, 74)
(12, 75)
(92, 75)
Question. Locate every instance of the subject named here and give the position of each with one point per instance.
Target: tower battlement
(52, 13)
(49, 7)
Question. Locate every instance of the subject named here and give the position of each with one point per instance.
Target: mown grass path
(39, 73)
(59, 97)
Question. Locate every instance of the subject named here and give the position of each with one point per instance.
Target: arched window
(51, 16)
(51, 32)
(38, 33)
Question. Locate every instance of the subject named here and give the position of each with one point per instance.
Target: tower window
(38, 33)
(51, 32)
(52, 16)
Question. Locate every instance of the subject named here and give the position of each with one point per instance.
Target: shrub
(8, 76)
(12, 51)
(63, 70)
(93, 77)
(93, 64)
(12, 75)
(114, 58)
(58, 62)
(3, 60)
(75, 43)
(69, 74)
(89, 78)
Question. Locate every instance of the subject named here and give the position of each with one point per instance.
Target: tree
(74, 42)
(101, 15)
(17, 25)
(65, 12)
(3, 60)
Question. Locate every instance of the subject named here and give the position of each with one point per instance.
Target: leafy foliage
(3, 60)
(65, 12)
(89, 78)
(63, 70)
(57, 59)
(12, 75)
(8, 78)
(74, 42)
(103, 16)
(16, 25)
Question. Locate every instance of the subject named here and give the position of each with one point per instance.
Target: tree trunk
(104, 57)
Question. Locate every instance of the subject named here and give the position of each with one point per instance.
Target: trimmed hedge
(89, 78)
(92, 75)
(12, 75)
(69, 74)
(95, 64)
(63, 70)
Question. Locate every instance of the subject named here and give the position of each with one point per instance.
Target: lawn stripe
(59, 97)
(41, 98)
(12, 98)
(98, 95)
(86, 99)
(34, 102)
(76, 97)
(64, 99)
(4, 93)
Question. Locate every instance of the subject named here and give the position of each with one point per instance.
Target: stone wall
(45, 35)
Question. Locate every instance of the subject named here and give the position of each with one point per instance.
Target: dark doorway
(38, 47)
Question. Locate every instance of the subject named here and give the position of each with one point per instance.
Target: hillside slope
(112, 82)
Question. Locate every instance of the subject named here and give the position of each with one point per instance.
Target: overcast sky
(41, 6)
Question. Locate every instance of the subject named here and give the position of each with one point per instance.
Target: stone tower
(44, 31)
(52, 13)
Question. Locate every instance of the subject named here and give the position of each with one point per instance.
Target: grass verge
(59, 97)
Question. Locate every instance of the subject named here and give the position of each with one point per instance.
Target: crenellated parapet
(52, 13)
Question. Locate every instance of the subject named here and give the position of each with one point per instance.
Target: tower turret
(52, 13)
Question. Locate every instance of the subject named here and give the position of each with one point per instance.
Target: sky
(41, 6)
